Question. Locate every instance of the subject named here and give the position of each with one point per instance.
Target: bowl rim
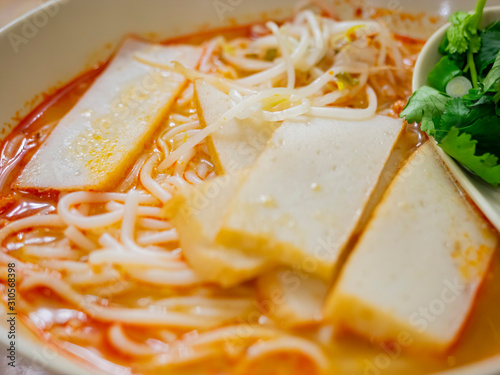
(23, 17)
(63, 363)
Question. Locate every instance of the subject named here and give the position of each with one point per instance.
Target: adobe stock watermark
(225, 6)
(11, 314)
(420, 321)
(31, 26)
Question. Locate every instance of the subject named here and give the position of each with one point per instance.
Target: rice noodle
(181, 128)
(162, 146)
(183, 161)
(247, 64)
(203, 168)
(187, 96)
(157, 237)
(131, 178)
(292, 112)
(174, 182)
(131, 316)
(89, 277)
(289, 344)
(40, 251)
(219, 303)
(182, 277)
(181, 355)
(181, 118)
(6, 259)
(72, 217)
(166, 260)
(327, 77)
(318, 52)
(107, 240)
(141, 211)
(50, 220)
(289, 66)
(123, 344)
(192, 177)
(279, 68)
(79, 239)
(329, 98)
(149, 183)
(64, 265)
(348, 113)
(208, 51)
(128, 223)
(153, 223)
(235, 333)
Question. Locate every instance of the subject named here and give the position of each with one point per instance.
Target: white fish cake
(292, 298)
(419, 264)
(237, 144)
(197, 215)
(94, 143)
(303, 198)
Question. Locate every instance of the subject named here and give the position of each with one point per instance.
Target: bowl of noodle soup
(102, 281)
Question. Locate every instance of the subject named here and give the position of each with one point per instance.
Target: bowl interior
(60, 39)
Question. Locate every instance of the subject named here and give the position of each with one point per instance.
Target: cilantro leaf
(484, 99)
(461, 113)
(494, 26)
(455, 114)
(492, 80)
(462, 34)
(461, 31)
(462, 148)
(474, 94)
(490, 45)
(424, 105)
(486, 131)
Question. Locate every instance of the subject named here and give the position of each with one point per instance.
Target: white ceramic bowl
(484, 195)
(60, 39)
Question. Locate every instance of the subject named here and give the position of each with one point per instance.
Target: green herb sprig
(460, 105)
